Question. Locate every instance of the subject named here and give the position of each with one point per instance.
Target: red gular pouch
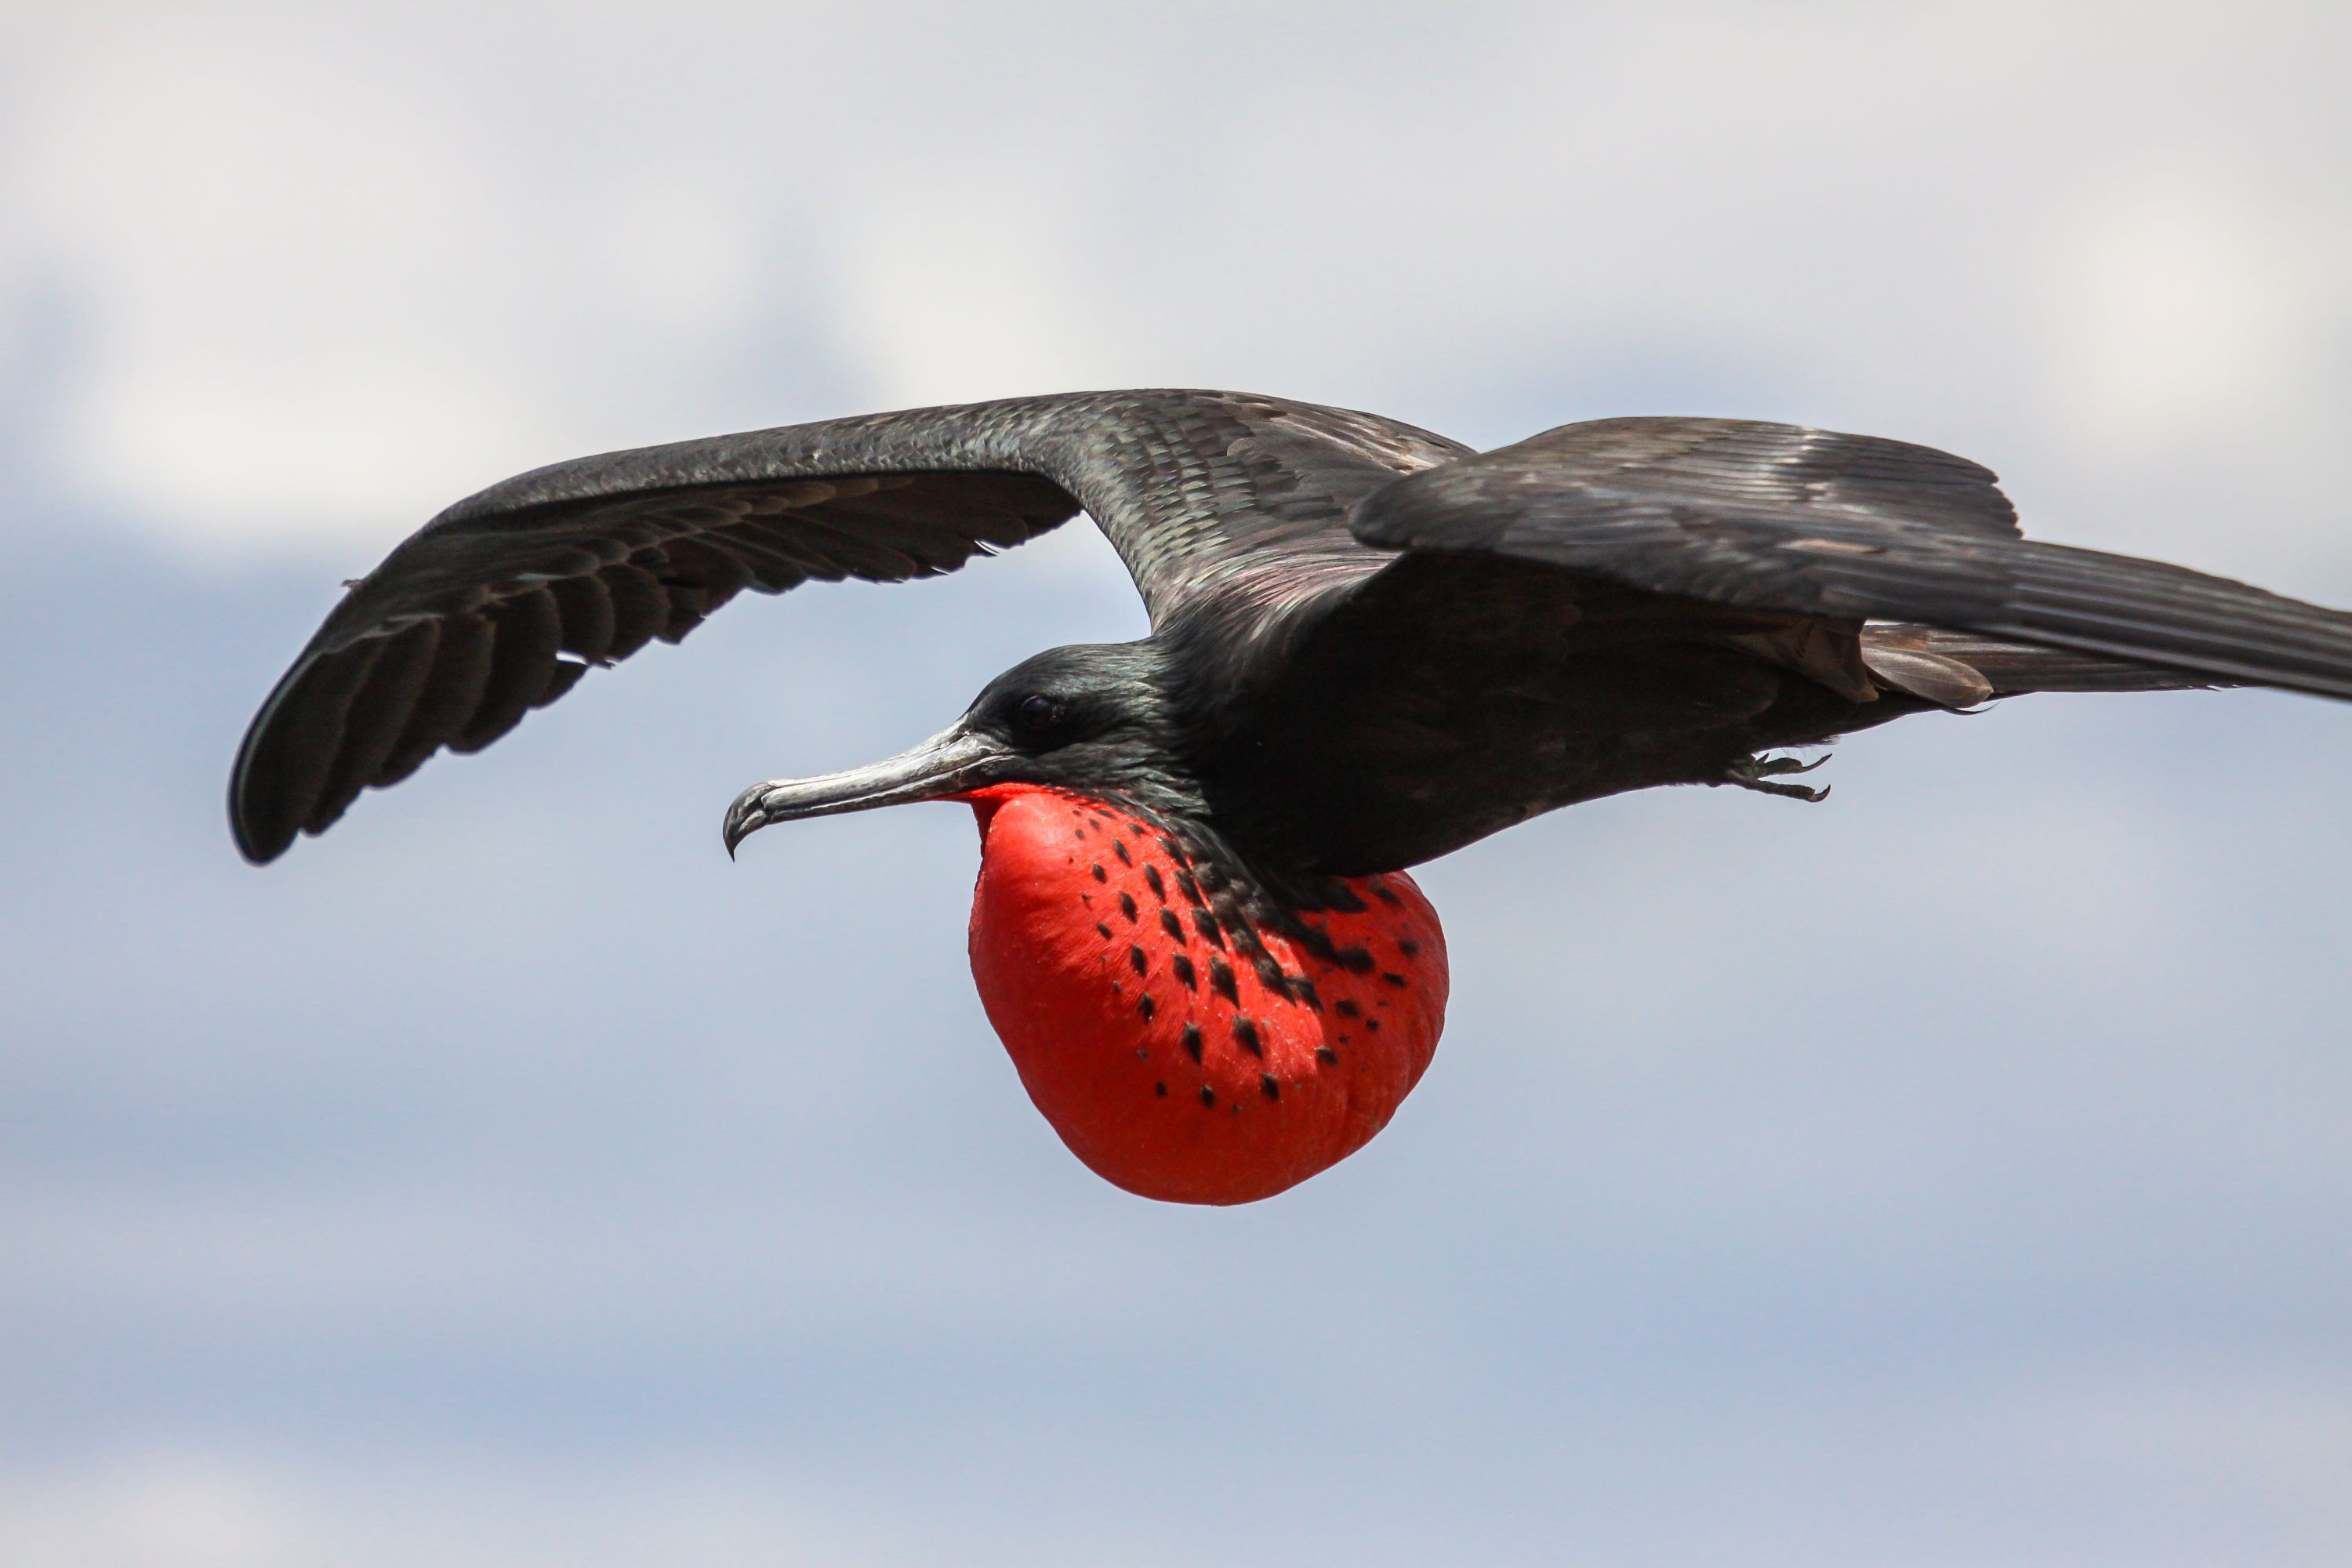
(1149, 1035)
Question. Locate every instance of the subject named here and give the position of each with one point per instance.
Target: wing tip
(260, 835)
(260, 841)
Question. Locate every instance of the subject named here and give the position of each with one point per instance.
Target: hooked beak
(948, 763)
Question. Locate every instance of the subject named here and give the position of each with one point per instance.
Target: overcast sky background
(1952, 1175)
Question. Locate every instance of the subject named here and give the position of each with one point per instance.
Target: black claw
(1758, 773)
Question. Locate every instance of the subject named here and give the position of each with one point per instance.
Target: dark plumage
(1369, 645)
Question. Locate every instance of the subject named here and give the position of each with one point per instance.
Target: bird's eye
(1040, 712)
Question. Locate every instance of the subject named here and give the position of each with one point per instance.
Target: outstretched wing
(1782, 520)
(499, 605)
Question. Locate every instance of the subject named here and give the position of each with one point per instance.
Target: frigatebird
(1370, 646)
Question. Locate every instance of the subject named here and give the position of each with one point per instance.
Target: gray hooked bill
(949, 762)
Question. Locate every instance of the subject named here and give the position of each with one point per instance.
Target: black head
(1088, 713)
(1092, 718)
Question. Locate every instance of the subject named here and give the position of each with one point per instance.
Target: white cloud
(2192, 310)
(956, 293)
(285, 324)
(330, 273)
(316, 296)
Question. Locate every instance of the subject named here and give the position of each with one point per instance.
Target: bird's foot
(1758, 773)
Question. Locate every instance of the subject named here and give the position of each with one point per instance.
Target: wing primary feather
(377, 714)
(2093, 578)
(2169, 615)
(528, 631)
(561, 677)
(461, 667)
(640, 608)
(708, 567)
(687, 607)
(586, 607)
(291, 749)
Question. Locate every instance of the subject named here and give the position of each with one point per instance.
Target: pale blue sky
(1953, 1175)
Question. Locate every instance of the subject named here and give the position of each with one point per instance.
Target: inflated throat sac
(1177, 1059)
